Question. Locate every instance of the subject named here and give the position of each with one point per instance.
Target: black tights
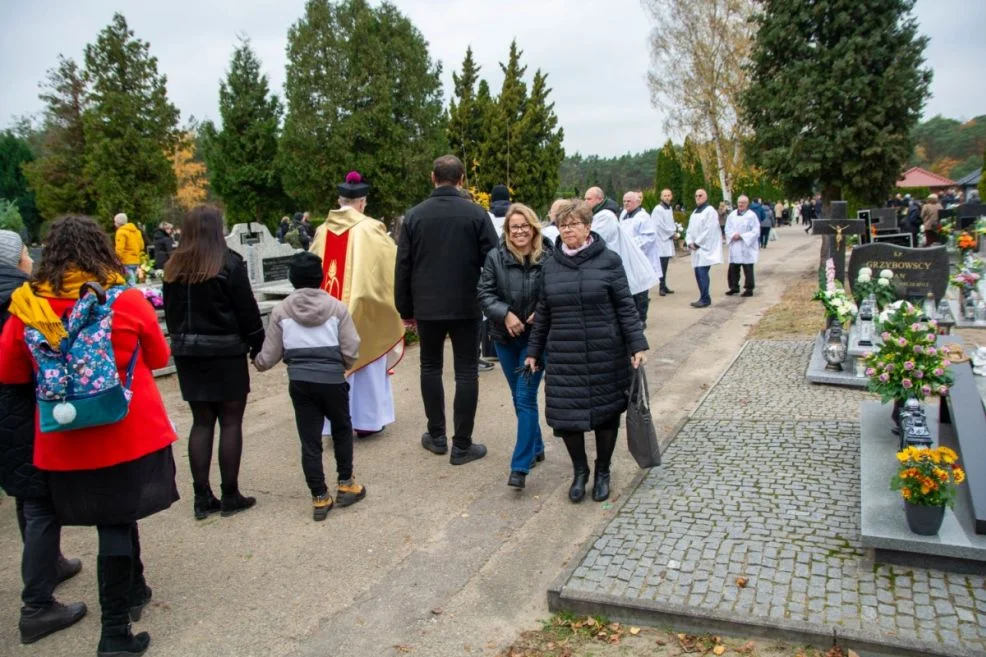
(605, 445)
(204, 416)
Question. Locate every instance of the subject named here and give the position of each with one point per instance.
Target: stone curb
(695, 619)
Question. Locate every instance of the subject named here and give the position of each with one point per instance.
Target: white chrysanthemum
(864, 278)
(886, 273)
(865, 270)
(883, 281)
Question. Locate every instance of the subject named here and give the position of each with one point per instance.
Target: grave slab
(956, 548)
(818, 374)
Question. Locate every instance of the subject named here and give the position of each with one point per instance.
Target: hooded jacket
(314, 334)
(129, 244)
(18, 476)
(164, 246)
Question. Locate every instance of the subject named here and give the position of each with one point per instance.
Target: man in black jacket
(164, 244)
(443, 245)
(43, 566)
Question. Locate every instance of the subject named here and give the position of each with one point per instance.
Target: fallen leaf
(438, 611)
(551, 645)
(590, 621)
(403, 648)
(741, 582)
(853, 653)
(634, 631)
(718, 650)
(747, 647)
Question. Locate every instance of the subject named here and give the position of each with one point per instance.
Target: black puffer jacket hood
(589, 326)
(499, 208)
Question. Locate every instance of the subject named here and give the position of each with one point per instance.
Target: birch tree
(697, 77)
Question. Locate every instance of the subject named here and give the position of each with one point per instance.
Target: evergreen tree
(862, 66)
(503, 140)
(692, 173)
(14, 154)
(57, 175)
(540, 149)
(242, 156)
(362, 93)
(466, 115)
(130, 127)
(982, 180)
(669, 174)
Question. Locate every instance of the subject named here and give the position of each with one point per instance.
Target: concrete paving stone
(780, 528)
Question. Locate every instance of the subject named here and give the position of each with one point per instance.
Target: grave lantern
(946, 320)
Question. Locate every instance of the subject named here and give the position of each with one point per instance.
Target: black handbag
(641, 435)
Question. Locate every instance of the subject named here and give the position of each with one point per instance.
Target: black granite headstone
(916, 271)
(276, 269)
(900, 239)
(883, 218)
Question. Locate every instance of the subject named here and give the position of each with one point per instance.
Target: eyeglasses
(571, 226)
(526, 228)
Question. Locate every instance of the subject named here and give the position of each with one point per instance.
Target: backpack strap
(132, 366)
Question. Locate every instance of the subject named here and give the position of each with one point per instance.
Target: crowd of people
(563, 301)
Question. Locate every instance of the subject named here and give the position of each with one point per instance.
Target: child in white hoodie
(315, 335)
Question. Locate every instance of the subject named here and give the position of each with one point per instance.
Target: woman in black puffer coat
(588, 322)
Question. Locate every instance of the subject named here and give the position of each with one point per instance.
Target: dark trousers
(733, 276)
(42, 545)
(642, 301)
(764, 236)
(702, 278)
(465, 355)
(665, 263)
(487, 350)
(312, 403)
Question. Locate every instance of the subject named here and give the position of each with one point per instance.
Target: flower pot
(924, 520)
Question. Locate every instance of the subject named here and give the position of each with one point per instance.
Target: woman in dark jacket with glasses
(509, 289)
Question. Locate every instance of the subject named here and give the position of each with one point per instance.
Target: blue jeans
(131, 271)
(702, 278)
(525, 394)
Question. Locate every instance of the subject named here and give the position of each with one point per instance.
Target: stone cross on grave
(836, 228)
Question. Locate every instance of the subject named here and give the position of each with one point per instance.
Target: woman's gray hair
(575, 208)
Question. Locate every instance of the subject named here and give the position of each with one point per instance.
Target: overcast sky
(595, 52)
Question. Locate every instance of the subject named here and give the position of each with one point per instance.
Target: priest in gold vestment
(358, 258)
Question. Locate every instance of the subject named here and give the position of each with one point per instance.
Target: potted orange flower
(966, 242)
(928, 481)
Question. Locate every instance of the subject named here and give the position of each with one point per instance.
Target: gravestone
(967, 214)
(836, 228)
(897, 239)
(266, 259)
(884, 218)
(916, 271)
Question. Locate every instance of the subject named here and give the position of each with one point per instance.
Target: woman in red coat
(109, 476)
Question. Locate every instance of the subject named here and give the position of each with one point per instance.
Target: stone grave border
(694, 619)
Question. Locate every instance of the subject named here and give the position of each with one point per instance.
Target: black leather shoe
(577, 491)
(537, 459)
(668, 291)
(434, 445)
(516, 480)
(38, 622)
(747, 293)
(140, 600)
(461, 456)
(600, 486)
(730, 293)
(233, 504)
(699, 304)
(663, 293)
(67, 569)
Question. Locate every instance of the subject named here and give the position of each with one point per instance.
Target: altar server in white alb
(358, 262)
(635, 220)
(743, 238)
(662, 216)
(641, 275)
(704, 240)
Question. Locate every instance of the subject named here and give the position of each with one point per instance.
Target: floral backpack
(77, 384)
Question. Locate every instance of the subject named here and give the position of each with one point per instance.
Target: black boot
(600, 483)
(575, 444)
(577, 491)
(116, 640)
(140, 592)
(66, 568)
(605, 445)
(38, 622)
(205, 501)
(233, 502)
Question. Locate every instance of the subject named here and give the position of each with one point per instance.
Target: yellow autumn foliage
(191, 175)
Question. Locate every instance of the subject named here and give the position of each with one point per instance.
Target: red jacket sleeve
(154, 348)
(16, 365)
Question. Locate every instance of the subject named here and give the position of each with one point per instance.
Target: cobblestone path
(763, 484)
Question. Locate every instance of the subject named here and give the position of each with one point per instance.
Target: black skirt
(117, 495)
(225, 378)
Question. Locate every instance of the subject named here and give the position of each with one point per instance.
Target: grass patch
(795, 316)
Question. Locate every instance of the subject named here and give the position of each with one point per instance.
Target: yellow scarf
(34, 311)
